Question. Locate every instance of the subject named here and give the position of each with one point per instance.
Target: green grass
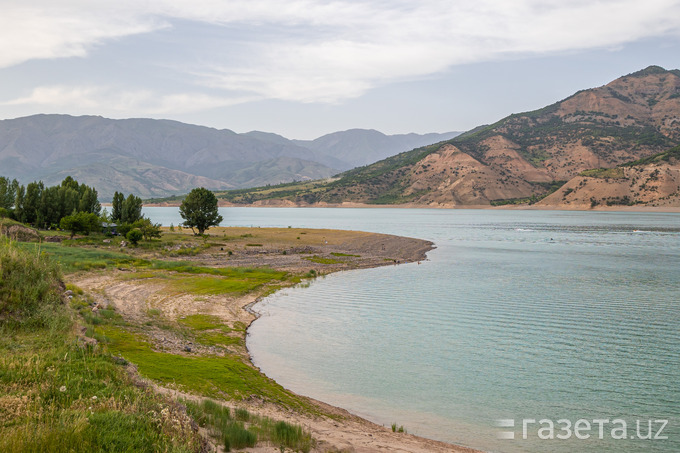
(344, 254)
(262, 275)
(238, 429)
(29, 285)
(666, 156)
(218, 339)
(226, 377)
(59, 394)
(201, 322)
(74, 259)
(321, 260)
(201, 285)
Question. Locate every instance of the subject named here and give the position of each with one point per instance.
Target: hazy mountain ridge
(364, 146)
(158, 158)
(524, 156)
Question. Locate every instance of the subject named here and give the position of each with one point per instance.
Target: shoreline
(335, 428)
(290, 204)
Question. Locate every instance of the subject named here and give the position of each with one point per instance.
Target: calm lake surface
(516, 315)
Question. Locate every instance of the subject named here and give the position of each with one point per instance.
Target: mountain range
(610, 145)
(157, 158)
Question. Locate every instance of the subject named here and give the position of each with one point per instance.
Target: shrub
(134, 236)
(31, 286)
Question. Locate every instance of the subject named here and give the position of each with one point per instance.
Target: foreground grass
(60, 394)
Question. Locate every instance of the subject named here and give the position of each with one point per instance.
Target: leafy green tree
(8, 192)
(32, 202)
(132, 209)
(149, 230)
(199, 210)
(70, 183)
(117, 207)
(19, 203)
(80, 222)
(134, 236)
(89, 201)
(49, 211)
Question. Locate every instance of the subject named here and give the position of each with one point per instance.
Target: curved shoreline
(334, 428)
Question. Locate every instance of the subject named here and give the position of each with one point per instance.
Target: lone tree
(199, 210)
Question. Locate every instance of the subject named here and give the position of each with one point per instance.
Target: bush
(30, 288)
(134, 236)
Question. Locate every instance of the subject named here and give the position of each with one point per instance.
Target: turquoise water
(517, 314)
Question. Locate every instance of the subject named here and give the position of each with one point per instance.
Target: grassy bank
(64, 376)
(77, 365)
(60, 393)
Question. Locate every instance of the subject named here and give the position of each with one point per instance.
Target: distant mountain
(360, 147)
(521, 158)
(157, 158)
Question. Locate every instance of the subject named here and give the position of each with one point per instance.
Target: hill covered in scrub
(651, 181)
(520, 159)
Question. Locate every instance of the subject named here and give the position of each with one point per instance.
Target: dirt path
(139, 299)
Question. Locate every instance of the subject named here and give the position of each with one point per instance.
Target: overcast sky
(305, 68)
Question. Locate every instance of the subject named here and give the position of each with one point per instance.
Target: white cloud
(97, 99)
(324, 51)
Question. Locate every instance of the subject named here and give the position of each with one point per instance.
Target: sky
(304, 68)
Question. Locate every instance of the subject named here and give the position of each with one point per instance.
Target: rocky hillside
(156, 158)
(523, 157)
(652, 181)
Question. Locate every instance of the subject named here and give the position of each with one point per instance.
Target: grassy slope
(59, 394)
(59, 391)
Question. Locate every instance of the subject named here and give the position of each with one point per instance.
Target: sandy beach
(336, 430)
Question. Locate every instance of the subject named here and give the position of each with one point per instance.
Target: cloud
(98, 99)
(322, 51)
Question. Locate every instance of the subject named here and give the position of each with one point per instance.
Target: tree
(149, 230)
(80, 222)
(8, 192)
(19, 203)
(199, 210)
(134, 236)
(117, 207)
(32, 202)
(89, 201)
(132, 209)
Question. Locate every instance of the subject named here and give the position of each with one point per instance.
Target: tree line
(75, 207)
(44, 207)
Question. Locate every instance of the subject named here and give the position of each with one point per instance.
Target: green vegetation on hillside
(60, 394)
(666, 156)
